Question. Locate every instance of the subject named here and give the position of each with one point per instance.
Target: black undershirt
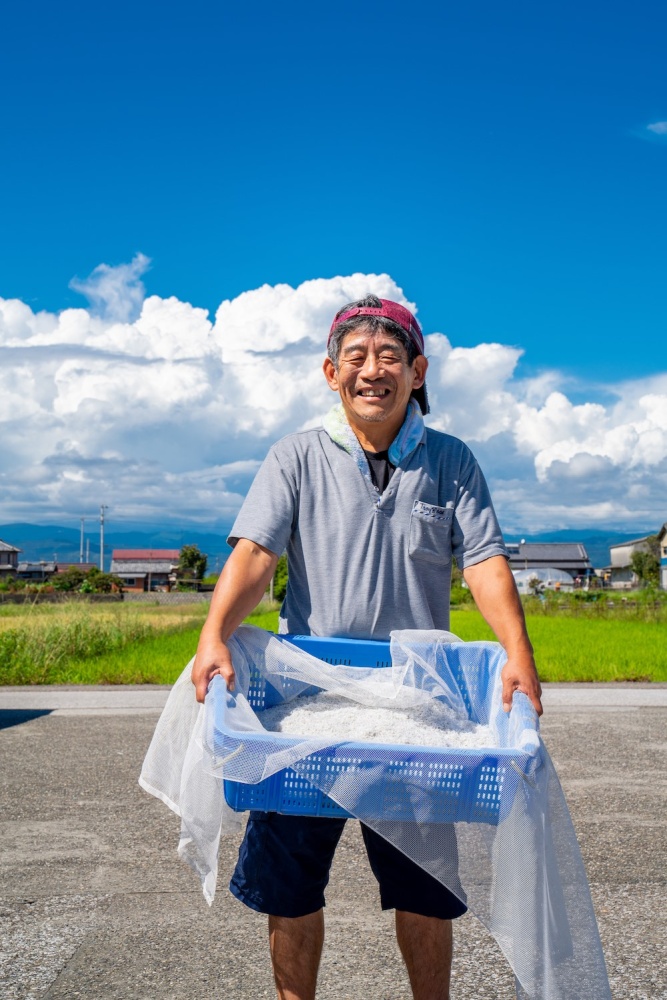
(381, 468)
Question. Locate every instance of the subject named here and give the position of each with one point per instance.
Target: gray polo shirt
(362, 564)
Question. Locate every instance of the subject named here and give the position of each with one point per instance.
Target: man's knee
(426, 947)
(296, 949)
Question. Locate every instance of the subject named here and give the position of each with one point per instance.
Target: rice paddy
(145, 644)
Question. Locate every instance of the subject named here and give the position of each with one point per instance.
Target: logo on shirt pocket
(430, 533)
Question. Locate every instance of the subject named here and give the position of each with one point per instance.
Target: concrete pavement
(94, 902)
(128, 699)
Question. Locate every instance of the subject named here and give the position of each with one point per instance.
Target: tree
(70, 580)
(97, 582)
(94, 581)
(645, 563)
(192, 563)
(459, 593)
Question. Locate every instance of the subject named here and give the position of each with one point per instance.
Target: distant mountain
(596, 541)
(63, 544)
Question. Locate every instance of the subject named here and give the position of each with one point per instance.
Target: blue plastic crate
(452, 785)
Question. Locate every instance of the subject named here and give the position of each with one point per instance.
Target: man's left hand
(493, 587)
(520, 674)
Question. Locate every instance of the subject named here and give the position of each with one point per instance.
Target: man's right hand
(212, 658)
(242, 584)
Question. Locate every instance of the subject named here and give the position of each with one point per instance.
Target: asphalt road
(94, 902)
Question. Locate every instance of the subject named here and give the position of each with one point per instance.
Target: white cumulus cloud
(658, 128)
(115, 292)
(151, 406)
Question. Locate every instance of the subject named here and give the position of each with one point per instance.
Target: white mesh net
(514, 859)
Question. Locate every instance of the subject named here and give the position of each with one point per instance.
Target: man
(370, 508)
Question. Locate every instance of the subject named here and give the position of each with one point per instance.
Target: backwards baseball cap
(407, 322)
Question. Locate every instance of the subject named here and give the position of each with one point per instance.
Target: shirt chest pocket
(430, 533)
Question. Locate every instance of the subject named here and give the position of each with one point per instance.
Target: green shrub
(460, 595)
(280, 579)
(71, 579)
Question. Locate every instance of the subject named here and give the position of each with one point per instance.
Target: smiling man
(370, 508)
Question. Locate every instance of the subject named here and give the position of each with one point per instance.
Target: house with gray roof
(36, 572)
(569, 556)
(145, 569)
(9, 560)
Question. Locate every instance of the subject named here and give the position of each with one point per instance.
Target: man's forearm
(492, 586)
(241, 586)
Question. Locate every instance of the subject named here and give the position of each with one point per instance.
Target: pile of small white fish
(325, 715)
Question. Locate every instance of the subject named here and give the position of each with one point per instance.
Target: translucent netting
(514, 858)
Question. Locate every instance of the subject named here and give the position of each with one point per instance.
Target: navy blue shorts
(284, 863)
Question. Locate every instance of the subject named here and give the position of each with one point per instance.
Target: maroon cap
(399, 314)
(390, 310)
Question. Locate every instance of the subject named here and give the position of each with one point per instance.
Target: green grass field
(585, 649)
(95, 644)
(149, 645)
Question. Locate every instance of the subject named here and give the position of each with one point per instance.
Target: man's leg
(283, 870)
(426, 947)
(424, 907)
(296, 948)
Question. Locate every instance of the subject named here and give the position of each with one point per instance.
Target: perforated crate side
(242, 797)
(257, 690)
(447, 779)
(484, 792)
(285, 792)
(344, 652)
(298, 796)
(322, 765)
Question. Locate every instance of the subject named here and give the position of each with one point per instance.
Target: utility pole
(81, 545)
(103, 507)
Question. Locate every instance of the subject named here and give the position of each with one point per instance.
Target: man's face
(374, 378)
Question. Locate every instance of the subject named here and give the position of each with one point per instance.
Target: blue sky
(494, 159)
(502, 167)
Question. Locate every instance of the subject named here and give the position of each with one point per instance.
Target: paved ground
(95, 904)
